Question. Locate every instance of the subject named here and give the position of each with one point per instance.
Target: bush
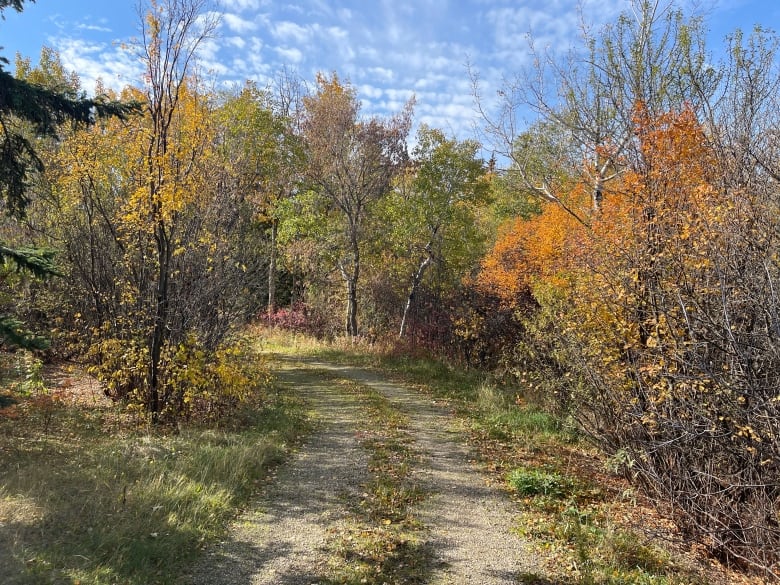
(195, 384)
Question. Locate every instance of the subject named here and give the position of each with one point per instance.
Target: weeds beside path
(383, 492)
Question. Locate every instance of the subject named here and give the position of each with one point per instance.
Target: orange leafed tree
(664, 312)
(539, 249)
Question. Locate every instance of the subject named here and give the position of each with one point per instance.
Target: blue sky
(388, 49)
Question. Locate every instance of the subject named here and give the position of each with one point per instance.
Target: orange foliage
(538, 248)
(658, 325)
(662, 203)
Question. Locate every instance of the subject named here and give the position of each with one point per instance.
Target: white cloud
(370, 91)
(235, 42)
(387, 48)
(289, 55)
(237, 24)
(242, 5)
(336, 33)
(291, 32)
(381, 73)
(117, 68)
(93, 27)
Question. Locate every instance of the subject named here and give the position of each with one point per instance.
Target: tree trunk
(272, 271)
(352, 284)
(412, 292)
(160, 321)
(352, 323)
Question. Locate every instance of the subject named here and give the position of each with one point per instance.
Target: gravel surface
(469, 521)
(283, 540)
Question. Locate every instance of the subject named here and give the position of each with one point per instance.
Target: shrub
(195, 384)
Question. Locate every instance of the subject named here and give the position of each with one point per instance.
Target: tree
(31, 110)
(652, 55)
(431, 215)
(171, 33)
(659, 325)
(350, 164)
(144, 231)
(689, 283)
(249, 137)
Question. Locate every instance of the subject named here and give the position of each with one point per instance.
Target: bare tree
(652, 56)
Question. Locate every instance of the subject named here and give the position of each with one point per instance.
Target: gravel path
(468, 521)
(284, 540)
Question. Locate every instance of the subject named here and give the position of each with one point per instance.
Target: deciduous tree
(32, 109)
(431, 216)
(651, 54)
(350, 165)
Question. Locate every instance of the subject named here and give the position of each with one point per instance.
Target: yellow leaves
(747, 432)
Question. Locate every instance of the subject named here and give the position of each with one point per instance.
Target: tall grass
(92, 502)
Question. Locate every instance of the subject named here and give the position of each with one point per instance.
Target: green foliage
(13, 333)
(428, 228)
(530, 482)
(39, 263)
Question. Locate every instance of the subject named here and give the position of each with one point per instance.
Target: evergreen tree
(41, 110)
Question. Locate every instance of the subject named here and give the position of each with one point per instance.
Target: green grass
(537, 482)
(85, 498)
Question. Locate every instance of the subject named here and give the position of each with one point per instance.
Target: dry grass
(90, 494)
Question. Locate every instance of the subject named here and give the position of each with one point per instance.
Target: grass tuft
(529, 482)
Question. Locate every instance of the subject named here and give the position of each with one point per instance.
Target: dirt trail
(284, 540)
